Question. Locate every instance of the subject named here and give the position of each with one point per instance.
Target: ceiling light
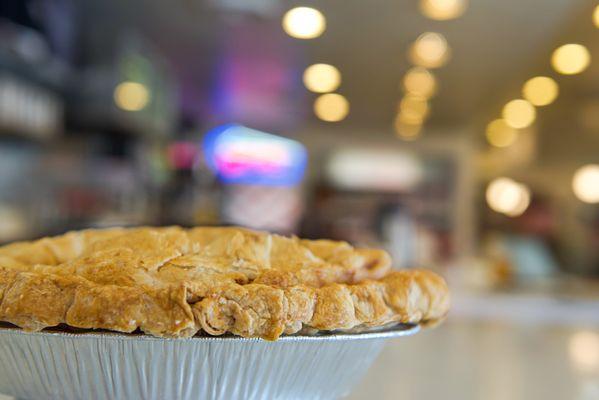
(420, 82)
(506, 196)
(500, 134)
(414, 106)
(442, 10)
(596, 16)
(540, 90)
(406, 130)
(410, 118)
(430, 50)
(519, 113)
(304, 23)
(586, 183)
(322, 78)
(570, 59)
(331, 107)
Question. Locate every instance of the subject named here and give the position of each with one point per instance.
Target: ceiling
(496, 46)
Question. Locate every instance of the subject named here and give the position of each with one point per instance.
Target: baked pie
(175, 282)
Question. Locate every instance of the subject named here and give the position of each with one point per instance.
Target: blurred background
(461, 136)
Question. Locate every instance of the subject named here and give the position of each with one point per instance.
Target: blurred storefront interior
(450, 133)
(460, 136)
(420, 131)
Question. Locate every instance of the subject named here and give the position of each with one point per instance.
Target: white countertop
(472, 361)
(495, 346)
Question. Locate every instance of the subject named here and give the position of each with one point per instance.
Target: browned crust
(171, 282)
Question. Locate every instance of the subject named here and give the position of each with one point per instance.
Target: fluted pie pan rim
(387, 332)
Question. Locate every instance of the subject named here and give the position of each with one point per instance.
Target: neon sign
(238, 154)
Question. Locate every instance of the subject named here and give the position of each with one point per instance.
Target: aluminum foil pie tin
(70, 366)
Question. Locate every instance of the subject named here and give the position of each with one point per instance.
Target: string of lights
(324, 79)
(429, 51)
(512, 198)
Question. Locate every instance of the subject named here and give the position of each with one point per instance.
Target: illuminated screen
(241, 155)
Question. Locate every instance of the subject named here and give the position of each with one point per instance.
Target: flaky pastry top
(175, 282)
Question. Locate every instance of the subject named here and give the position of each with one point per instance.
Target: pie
(175, 282)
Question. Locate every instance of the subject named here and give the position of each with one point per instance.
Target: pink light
(243, 155)
(182, 155)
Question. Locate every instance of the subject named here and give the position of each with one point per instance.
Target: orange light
(442, 10)
(304, 23)
(540, 90)
(500, 134)
(586, 183)
(420, 82)
(331, 107)
(430, 50)
(131, 96)
(519, 113)
(571, 59)
(506, 196)
(406, 130)
(322, 78)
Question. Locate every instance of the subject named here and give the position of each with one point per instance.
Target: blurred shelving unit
(67, 147)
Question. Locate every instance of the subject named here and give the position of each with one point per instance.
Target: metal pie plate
(59, 364)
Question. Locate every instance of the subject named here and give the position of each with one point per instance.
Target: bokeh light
(414, 107)
(430, 50)
(540, 90)
(331, 107)
(410, 118)
(583, 348)
(500, 134)
(304, 23)
(570, 59)
(506, 196)
(420, 82)
(586, 183)
(322, 78)
(131, 96)
(406, 130)
(442, 10)
(596, 16)
(519, 113)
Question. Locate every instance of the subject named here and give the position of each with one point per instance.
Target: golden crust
(172, 282)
